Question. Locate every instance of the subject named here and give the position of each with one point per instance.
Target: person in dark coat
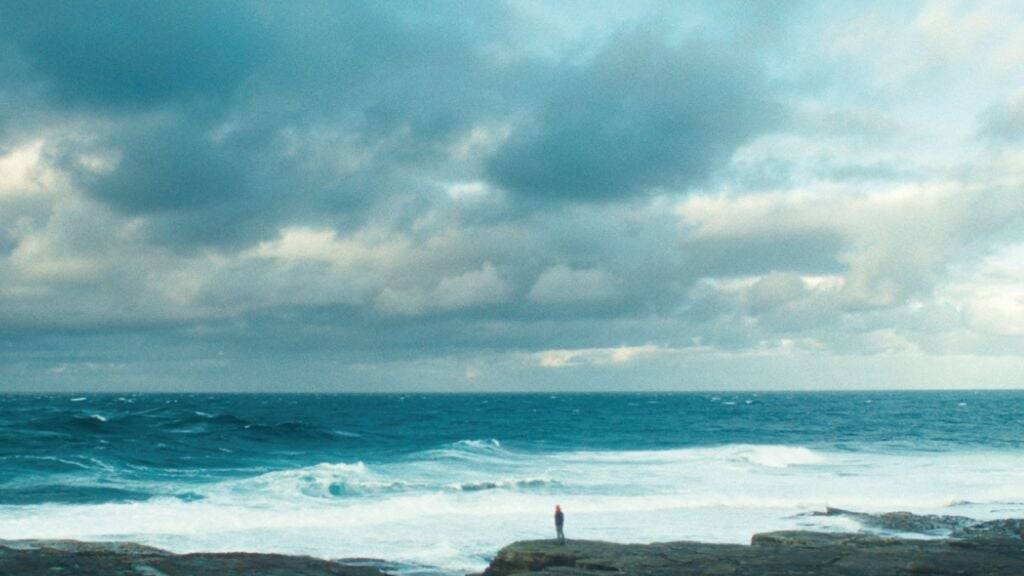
(559, 522)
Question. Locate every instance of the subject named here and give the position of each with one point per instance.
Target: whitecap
(489, 443)
(526, 483)
(776, 456)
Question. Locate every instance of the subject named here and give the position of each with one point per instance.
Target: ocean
(437, 484)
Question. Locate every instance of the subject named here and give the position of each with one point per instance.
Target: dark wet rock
(773, 554)
(69, 557)
(934, 524)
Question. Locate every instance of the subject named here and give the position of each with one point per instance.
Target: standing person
(559, 522)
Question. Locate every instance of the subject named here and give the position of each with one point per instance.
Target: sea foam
(439, 509)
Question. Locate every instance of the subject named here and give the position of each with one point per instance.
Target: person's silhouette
(559, 522)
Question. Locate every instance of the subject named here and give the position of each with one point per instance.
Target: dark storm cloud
(421, 68)
(232, 117)
(171, 168)
(136, 54)
(640, 114)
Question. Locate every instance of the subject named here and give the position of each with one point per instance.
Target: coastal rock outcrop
(73, 558)
(793, 553)
(934, 524)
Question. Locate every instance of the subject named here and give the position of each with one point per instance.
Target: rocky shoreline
(74, 558)
(968, 548)
(770, 554)
(959, 546)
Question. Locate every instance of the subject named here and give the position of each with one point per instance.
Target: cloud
(402, 195)
(170, 168)
(892, 244)
(472, 288)
(467, 290)
(564, 285)
(1004, 121)
(598, 356)
(991, 295)
(22, 173)
(229, 120)
(641, 114)
(130, 55)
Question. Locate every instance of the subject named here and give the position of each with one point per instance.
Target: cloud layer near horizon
(531, 195)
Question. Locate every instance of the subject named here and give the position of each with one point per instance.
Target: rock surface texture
(771, 554)
(72, 558)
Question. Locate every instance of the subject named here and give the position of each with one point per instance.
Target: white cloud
(900, 45)
(997, 310)
(301, 244)
(897, 241)
(888, 341)
(991, 295)
(370, 246)
(596, 356)
(24, 173)
(468, 190)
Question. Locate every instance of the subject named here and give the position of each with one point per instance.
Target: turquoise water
(440, 482)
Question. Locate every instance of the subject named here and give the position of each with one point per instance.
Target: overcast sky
(511, 196)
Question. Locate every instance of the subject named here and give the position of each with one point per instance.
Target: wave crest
(776, 456)
(326, 480)
(762, 455)
(524, 484)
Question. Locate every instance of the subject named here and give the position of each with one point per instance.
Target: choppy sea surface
(438, 483)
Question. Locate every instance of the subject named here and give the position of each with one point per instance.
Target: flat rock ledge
(790, 553)
(74, 558)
